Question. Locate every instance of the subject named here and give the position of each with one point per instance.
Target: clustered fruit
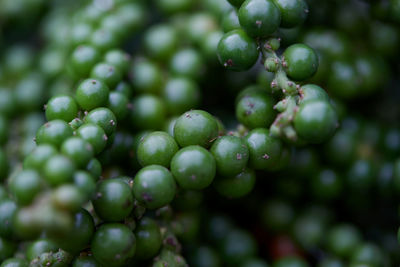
(172, 133)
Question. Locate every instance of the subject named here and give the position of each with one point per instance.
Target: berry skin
(104, 118)
(237, 51)
(118, 104)
(236, 186)
(293, 12)
(148, 112)
(156, 148)
(193, 167)
(36, 159)
(256, 110)
(83, 59)
(53, 133)
(61, 107)
(148, 238)
(300, 62)
(107, 73)
(231, 155)
(58, 170)
(93, 134)
(161, 41)
(259, 18)
(315, 121)
(113, 200)
(91, 94)
(113, 244)
(311, 92)
(78, 150)
(195, 127)
(8, 208)
(154, 186)
(118, 59)
(25, 186)
(265, 151)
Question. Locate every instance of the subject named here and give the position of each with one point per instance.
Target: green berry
(78, 150)
(83, 59)
(259, 18)
(156, 148)
(237, 51)
(236, 186)
(53, 133)
(148, 112)
(148, 238)
(113, 244)
(118, 59)
(195, 127)
(193, 167)
(146, 77)
(8, 209)
(106, 73)
(154, 186)
(25, 186)
(264, 150)
(104, 118)
(35, 249)
(312, 92)
(85, 182)
(315, 121)
(160, 41)
(293, 12)
(61, 107)
(36, 159)
(118, 104)
(91, 94)
(231, 155)
(58, 170)
(342, 240)
(93, 134)
(187, 63)
(300, 62)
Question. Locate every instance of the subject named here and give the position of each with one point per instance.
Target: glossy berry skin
(300, 62)
(93, 134)
(85, 182)
(118, 104)
(113, 200)
(39, 246)
(25, 186)
(256, 110)
(148, 112)
(61, 107)
(195, 127)
(91, 93)
(315, 121)
(78, 150)
(236, 186)
(259, 18)
(104, 118)
(231, 155)
(181, 94)
(83, 59)
(148, 239)
(80, 235)
(156, 148)
(113, 244)
(264, 151)
(53, 133)
(154, 186)
(67, 197)
(293, 12)
(118, 59)
(312, 92)
(193, 167)
(36, 159)
(230, 21)
(94, 168)
(106, 73)
(58, 170)
(237, 51)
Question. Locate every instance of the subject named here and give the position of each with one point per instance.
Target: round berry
(195, 127)
(300, 62)
(236, 186)
(256, 110)
(193, 167)
(58, 170)
(148, 239)
(293, 12)
(113, 244)
(36, 159)
(61, 107)
(83, 59)
(8, 209)
(113, 200)
(118, 59)
(187, 63)
(93, 134)
(160, 41)
(259, 18)
(118, 104)
(156, 148)
(91, 94)
(315, 121)
(106, 73)
(237, 51)
(312, 92)
(25, 186)
(154, 186)
(53, 133)
(78, 150)
(231, 155)
(148, 112)
(104, 118)
(146, 76)
(265, 151)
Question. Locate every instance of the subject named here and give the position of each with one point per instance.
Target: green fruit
(236, 186)
(91, 94)
(300, 62)
(293, 12)
(148, 239)
(61, 107)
